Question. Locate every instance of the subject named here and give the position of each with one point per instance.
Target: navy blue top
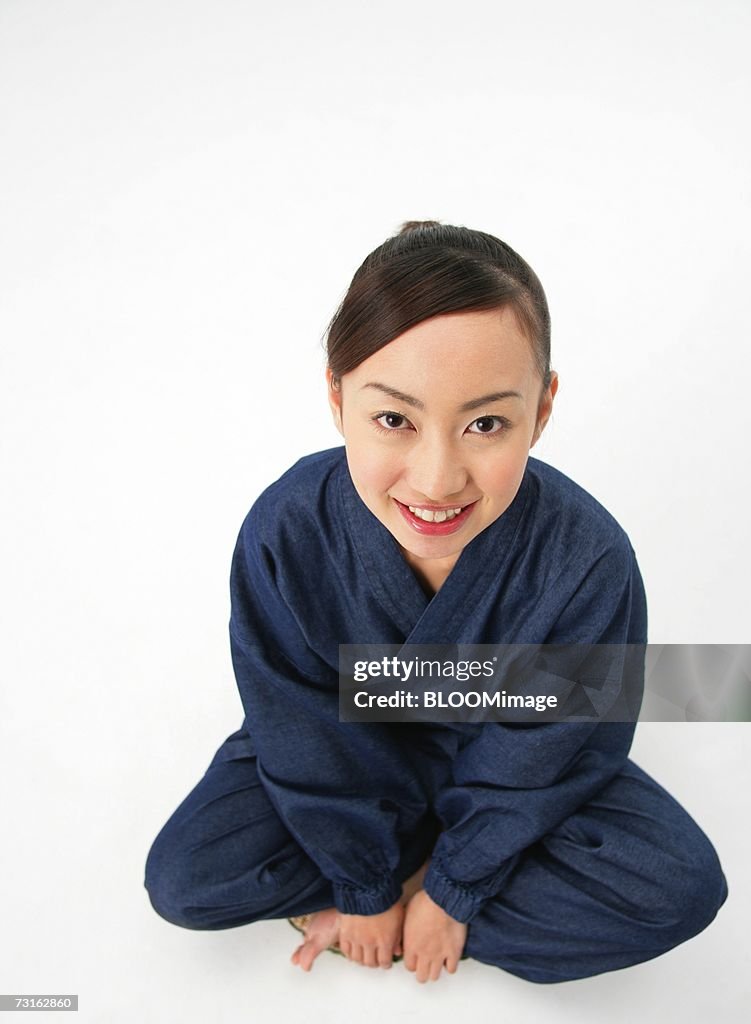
(314, 568)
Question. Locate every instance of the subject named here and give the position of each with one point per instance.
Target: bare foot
(321, 932)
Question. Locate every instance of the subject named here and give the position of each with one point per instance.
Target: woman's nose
(436, 472)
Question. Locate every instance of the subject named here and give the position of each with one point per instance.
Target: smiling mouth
(436, 520)
(436, 515)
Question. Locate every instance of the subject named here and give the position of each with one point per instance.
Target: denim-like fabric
(314, 568)
(300, 811)
(626, 877)
(225, 858)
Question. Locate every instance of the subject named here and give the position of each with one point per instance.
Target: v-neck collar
(445, 617)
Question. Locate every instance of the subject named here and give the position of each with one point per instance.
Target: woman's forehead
(452, 353)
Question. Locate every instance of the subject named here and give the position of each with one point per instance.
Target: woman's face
(426, 424)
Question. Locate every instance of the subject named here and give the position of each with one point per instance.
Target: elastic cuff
(455, 899)
(349, 899)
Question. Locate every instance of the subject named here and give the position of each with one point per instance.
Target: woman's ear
(334, 394)
(545, 408)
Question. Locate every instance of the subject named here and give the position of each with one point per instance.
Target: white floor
(76, 918)
(187, 188)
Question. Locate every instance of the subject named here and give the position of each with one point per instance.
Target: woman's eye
(488, 425)
(389, 420)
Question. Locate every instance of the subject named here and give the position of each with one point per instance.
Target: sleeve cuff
(349, 899)
(457, 900)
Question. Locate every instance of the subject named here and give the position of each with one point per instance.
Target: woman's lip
(435, 529)
(437, 508)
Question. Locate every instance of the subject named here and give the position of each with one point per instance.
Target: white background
(187, 189)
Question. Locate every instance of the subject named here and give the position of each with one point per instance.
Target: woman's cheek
(505, 476)
(378, 477)
(371, 469)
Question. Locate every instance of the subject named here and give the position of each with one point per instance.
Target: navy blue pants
(627, 877)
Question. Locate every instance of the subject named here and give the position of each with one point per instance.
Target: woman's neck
(431, 573)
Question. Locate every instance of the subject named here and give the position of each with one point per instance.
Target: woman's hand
(431, 938)
(372, 939)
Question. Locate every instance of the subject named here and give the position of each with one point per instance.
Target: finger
(310, 950)
(423, 970)
(452, 964)
(435, 970)
(385, 957)
(410, 961)
(370, 956)
(308, 953)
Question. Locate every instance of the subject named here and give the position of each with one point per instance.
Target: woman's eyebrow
(475, 403)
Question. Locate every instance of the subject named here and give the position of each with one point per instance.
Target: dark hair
(427, 269)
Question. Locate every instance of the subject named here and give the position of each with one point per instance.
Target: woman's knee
(167, 904)
(166, 880)
(688, 893)
(187, 898)
(214, 885)
(673, 880)
(698, 892)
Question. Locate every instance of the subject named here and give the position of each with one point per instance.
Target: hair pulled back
(428, 269)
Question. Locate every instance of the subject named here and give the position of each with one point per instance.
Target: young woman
(540, 849)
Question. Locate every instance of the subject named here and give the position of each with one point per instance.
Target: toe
(307, 956)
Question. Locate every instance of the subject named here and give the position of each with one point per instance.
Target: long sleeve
(512, 783)
(334, 784)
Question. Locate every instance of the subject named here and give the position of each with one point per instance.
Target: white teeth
(434, 517)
